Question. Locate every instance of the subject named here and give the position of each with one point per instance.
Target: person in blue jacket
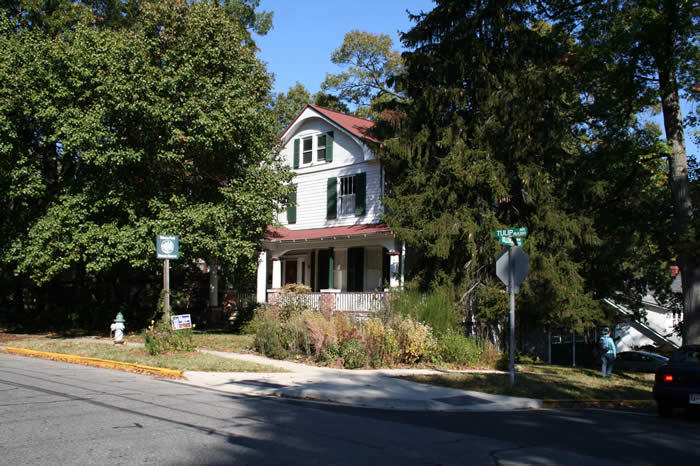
(607, 352)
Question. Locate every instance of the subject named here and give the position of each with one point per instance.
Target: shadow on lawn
(551, 383)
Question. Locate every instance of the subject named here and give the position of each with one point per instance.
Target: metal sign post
(167, 247)
(512, 267)
(512, 316)
(166, 287)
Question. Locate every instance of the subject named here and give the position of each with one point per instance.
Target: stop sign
(519, 261)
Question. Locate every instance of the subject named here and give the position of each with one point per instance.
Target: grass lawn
(194, 361)
(550, 383)
(224, 342)
(212, 341)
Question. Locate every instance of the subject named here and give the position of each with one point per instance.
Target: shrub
(381, 343)
(321, 331)
(271, 339)
(349, 351)
(331, 354)
(435, 309)
(244, 321)
(438, 311)
(416, 341)
(456, 348)
(281, 330)
(405, 303)
(250, 327)
(161, 338)
(299, 341)
(353, 352)
(343, 323)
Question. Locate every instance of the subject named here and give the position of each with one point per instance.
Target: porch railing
(354, 302)
(312, 300)
(359, 302)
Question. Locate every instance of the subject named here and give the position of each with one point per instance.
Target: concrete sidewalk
(362, 388)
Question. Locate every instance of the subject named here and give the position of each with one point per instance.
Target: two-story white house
(331, 237)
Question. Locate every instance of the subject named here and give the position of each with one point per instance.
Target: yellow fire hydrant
(117, 328)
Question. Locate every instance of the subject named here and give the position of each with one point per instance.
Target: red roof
(357, 126)
(285, 234)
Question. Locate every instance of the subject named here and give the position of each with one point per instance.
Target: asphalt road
(58, 413)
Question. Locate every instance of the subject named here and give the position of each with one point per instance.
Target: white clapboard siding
(312, 180)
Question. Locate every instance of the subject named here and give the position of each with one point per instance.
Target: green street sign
(511, 232)
(511, 241)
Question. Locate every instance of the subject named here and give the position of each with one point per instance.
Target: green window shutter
(332, 198)
(296, 153)
(360, 194)
(292, 208)
(329, 146)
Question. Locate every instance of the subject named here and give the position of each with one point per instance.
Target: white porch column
(276, 273)
(262, 277)
(394, 272)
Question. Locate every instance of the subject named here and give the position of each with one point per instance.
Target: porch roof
(282, 234)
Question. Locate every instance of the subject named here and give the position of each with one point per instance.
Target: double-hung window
(304, 148)
(307, 150)
(321, 148)
(347, 196)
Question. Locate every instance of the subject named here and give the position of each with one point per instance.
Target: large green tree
(489, 139)
(110, 136)
(286, 106)
(499, 130)
(57, 16)
(637, 54)
(370, 62)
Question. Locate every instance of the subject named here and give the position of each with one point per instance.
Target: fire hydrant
(118, 329)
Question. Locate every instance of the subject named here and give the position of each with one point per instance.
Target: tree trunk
(680, 186)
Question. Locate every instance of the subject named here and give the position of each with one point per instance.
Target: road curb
(127, 366)
(598, 404)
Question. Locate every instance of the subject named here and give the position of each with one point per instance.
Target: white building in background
(332, 236)
(658, 328)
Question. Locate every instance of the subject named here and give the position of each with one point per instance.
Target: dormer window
(305, 147)
(321, 148)
(307, 150)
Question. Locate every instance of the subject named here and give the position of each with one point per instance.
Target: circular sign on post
(168, 247)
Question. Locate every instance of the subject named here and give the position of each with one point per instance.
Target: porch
(334, 300)
(355, 263)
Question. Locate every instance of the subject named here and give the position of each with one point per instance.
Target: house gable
(339, 181)
(356, 130)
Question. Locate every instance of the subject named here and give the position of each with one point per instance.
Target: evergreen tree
(489, 139)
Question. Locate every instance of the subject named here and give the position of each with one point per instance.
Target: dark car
(639, 361)
(677, 384)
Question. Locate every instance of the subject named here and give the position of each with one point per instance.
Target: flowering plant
(161, 338)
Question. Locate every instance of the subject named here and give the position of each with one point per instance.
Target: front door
(290, 272)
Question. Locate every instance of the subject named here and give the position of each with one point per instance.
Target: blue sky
(306, 32)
